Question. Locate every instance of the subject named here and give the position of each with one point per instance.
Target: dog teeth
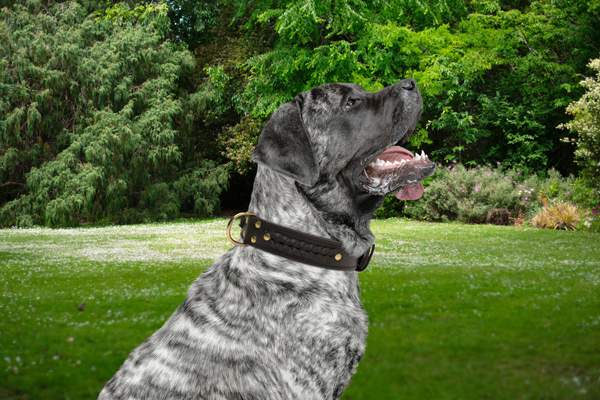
(421, 156)
(381, 163)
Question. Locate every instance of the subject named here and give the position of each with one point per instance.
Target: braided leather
(296, 246)
(299, 246)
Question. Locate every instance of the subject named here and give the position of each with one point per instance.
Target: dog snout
(406, 89)
(408, 84)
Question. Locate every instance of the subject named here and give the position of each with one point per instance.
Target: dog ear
(284, 145)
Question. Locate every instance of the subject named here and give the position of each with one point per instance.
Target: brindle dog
(259, 326)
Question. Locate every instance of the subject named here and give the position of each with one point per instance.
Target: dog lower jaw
(397, 171)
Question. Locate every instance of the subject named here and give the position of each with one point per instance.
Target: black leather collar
(296, 245)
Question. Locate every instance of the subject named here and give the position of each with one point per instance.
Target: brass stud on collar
(253, 239)
(257, 224)
(338, 257)
(267, 237)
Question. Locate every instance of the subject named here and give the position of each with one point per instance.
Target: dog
(256, 325)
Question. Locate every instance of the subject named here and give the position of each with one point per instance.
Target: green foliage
(122, 14)
(480, 194)
(585, 194)
(503, 82)
(495, 95)
(191, 21)
(590, 222)
(496, 76)
(237, 143)
(221, 74)
(200, 188)
(586, 124)
(108, 85)
(98, 119)
(390, 208)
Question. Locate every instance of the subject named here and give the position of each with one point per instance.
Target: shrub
(468, 195)
(586, 123)
(483, 194)
(585, 194)
(237, 143)
(390, 208)
(98, 118)
(556, 187)
(591, 221)
(557, 215)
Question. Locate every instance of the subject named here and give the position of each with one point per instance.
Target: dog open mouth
(397, 170)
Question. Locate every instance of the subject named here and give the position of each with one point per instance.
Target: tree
(191, 21)
(586, 124)
(98, 118)
(496, 76)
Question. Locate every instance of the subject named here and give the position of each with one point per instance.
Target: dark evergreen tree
(98, 118)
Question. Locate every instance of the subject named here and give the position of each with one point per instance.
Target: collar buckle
(242, 223)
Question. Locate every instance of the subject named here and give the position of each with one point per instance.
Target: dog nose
(408, 84)
(406, 89)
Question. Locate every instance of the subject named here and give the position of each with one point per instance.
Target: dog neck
(278, 199)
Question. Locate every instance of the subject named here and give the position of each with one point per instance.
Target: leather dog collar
(296, 245)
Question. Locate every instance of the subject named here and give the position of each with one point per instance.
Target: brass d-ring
(231, 221)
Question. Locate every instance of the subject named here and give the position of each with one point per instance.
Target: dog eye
(350, 103)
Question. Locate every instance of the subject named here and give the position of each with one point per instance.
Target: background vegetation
(116, 112)
(134, 110)
(456, 311)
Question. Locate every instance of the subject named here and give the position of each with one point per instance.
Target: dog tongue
(410, 192)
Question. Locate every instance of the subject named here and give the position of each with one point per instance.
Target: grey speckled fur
(259, 326)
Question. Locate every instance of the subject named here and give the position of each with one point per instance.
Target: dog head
(341, 144)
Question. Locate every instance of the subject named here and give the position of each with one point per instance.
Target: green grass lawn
(456, 311)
